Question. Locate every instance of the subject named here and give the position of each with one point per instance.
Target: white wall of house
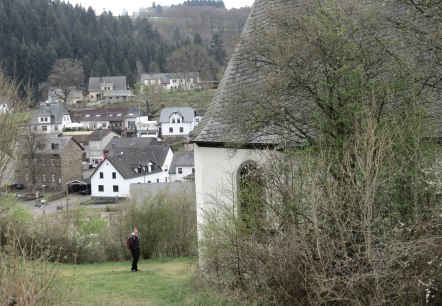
(176, 126)
(185, 171)
(215, 175)
(95, 124)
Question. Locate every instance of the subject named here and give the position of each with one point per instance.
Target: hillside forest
(34, 34)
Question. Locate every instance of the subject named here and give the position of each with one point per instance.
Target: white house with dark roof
(182, 167)
(109, 88)
(157, 82)
(177, 121)
(50, 118)
(113, 177)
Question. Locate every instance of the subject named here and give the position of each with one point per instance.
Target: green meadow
(165, 281)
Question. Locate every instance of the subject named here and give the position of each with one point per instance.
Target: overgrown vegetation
(347, 211)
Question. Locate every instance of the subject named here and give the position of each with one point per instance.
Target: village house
(130, 165)
(75, 96)
(109, 88)
(98, 140)
(182, 167)
(178, 121)
(126, 122)
(162, 82)
(53, 162)
(50, 118)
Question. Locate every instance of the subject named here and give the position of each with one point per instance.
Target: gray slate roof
(45, 144)
(181, 159)
(186, 112)
(100, 134)
(239, 74)
(127, 145)
(119, 82)
(56, 111)
(106, 114)
(126, 162)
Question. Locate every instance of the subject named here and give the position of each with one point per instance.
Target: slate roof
(105, 114)
(241, 72)
(56, 111)
(100, 134)
(186, 112)
(128, 145)
(126, 162)
(181, 159)
(119, 83)
(45, 144)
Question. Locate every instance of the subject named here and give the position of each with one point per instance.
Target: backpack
(129, 242)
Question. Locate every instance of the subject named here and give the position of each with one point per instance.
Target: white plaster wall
(179, 177)
(187, 128)
(215, 175)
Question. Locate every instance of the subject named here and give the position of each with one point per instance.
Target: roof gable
(119, 83)
(186, 112)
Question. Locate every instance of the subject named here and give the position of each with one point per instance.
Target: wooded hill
(35, 33)
(187, 20)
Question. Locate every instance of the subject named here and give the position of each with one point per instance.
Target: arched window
(251, 194)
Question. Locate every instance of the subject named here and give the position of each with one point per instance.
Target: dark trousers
(135, 257)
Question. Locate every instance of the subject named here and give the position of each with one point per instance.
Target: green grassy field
(164, 281)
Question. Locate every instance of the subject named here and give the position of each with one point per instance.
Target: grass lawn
(166, 281)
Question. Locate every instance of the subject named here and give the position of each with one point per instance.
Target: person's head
(136, 230)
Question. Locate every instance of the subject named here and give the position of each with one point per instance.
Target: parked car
(16, 186)
(86, 191)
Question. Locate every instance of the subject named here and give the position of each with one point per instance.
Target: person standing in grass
(134, 246)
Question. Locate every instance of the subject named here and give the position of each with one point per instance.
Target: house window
(101, 175)
(56, 127)
(55, 146)
(173, 120)
(114, 175)
(26, 162)
(158, 180)
(100, 188)
(178, 121)
(180, 170)
(171, 130)
(115, 188)
(44, 177)
(53, 178)
(26, 177)
(52, 162)
(193, 170)
(35, 161)
(181, 130)
(197, 120)
(44, 128)
(150, 168)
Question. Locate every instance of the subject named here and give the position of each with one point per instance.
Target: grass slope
(166, 281)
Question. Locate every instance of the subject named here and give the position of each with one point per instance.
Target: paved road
(68, 202)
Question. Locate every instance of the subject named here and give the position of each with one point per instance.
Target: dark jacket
(134, 243)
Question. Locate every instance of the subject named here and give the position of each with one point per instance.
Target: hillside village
(102, 151)
(313, 176)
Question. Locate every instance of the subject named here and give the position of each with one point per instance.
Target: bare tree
(66, 75)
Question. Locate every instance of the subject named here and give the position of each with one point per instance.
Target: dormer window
(173, 120)
(55, 146)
